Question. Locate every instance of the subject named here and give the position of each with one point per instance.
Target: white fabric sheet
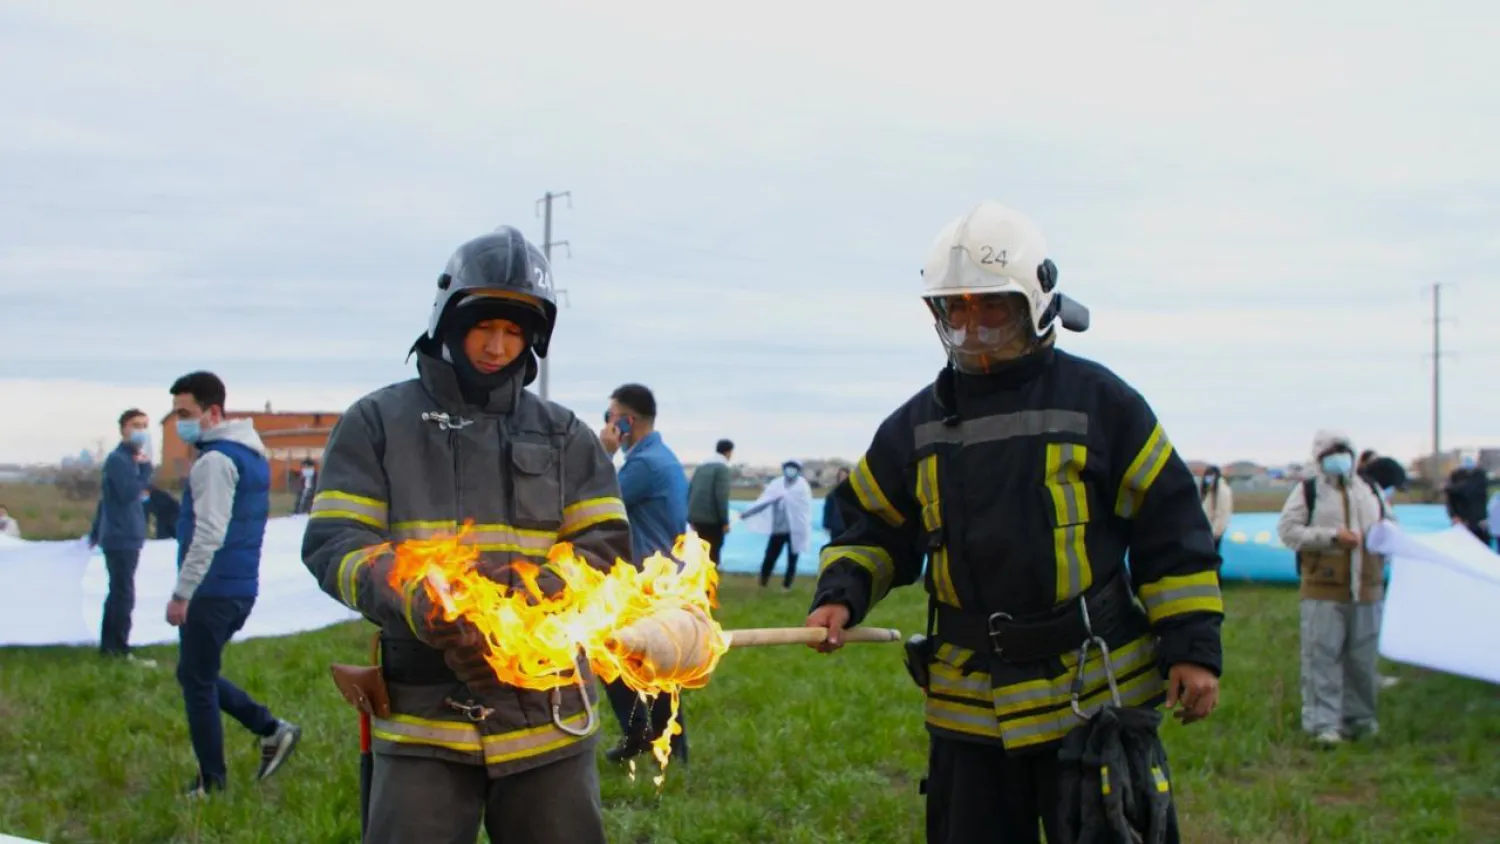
(54, 591)
(1442, 609)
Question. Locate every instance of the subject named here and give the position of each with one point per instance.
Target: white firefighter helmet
(992, 289)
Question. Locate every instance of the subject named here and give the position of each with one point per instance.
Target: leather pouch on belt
(364, 687)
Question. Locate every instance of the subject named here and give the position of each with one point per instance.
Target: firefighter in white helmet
(1021, 478)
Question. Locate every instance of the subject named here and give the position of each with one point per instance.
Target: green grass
(788, 747)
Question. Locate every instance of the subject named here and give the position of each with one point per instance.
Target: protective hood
(240, 431)
(1328, 439)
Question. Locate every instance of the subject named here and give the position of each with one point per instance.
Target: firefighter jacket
(413, 460)
(1023, 490)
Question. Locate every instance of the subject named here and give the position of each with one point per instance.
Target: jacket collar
(441, 382)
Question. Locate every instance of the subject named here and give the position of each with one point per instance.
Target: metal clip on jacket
(1083, 657)
(446, 422)
(588, 708)
(475, 712)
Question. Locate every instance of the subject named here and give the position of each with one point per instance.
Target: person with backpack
(1325, 521)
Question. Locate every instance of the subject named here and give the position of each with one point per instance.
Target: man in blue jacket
(654, 487)
(119, 528)
(219, 533)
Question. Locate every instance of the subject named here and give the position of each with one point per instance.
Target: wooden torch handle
(805, 635)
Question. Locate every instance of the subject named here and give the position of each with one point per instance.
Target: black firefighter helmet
(503, 267)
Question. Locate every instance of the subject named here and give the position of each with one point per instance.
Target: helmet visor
(981, 330)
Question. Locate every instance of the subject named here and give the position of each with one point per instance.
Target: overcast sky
(1252, 199)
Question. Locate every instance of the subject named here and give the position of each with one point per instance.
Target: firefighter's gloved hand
(464, 653)
(525, 576)
(426, 619)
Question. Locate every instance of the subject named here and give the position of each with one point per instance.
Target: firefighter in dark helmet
(1021, 478)
(464, 441)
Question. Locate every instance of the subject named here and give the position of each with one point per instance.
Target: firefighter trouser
(979, 794)
(1340, 641)
(418, 800)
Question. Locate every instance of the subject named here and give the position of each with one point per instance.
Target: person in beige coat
(1218, 503)
(1326, 521)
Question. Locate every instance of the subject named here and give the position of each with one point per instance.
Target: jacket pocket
(536, 486)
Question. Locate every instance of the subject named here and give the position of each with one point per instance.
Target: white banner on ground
(54, 593)
(1440, 608)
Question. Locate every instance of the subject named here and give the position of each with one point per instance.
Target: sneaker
(275, 748)
(1328, 738)
(625, 751)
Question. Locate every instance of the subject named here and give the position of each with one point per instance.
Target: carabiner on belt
(1092, 640)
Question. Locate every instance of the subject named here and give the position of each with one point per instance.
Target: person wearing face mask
(308, 479)
(783, 510)
(119, 529)
(465, 441)
(1325, 521)
(8, 525)
(1021, 477)
(1467, 492)
(1218, 503)
(221, 525)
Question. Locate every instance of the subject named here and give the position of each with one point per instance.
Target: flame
(534, 635)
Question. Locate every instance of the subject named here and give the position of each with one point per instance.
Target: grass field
(788, 746)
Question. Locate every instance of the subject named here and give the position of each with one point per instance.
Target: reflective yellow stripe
(533, 543)
(464, 737)
(332, 504)
(1057, 691)
(871, 497)
(350, 566)
(1051, 726)
(408, 594)
(953, 654)
(585, 514)
(1070, 504)
(1142, 473)
(929, 495)
(1104, 778)
(947, 680)
(872, 558)
(1186, 593)
(961, 718)
(1161, 779)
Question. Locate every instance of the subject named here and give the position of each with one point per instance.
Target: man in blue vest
(219, 532)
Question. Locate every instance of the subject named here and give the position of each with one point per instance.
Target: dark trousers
(979, 794)
(714, 536)
(640, 726)
(119, 603)
(210, 624)
(774, 545)
(419, 800)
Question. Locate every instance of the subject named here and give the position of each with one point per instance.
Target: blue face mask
(189, 430)
(1338, 463)
(140, 438)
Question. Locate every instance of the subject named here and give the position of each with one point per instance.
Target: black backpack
(1310, 496)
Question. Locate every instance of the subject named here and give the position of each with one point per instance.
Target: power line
(544, 206)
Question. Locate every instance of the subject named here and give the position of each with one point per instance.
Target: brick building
(290, 437)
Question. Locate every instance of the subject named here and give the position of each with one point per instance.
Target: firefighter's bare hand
(1193, 691)
(834, 617)
(1347, 538)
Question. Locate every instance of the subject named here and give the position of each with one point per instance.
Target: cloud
(1251, 200)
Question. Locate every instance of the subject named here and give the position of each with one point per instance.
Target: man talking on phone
(653, 486)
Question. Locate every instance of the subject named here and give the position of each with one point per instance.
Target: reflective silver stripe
(1054, 725)
(585, 514)
(1142, 473)
(1004, 426)
(1056, 691)
(333, 504)
(406, 729)
(871, 496)
(953, 654)
(348, 575)
(486, 537)
(534, 741)
(947, 681)
(962, 718)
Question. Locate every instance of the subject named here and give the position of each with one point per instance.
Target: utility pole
(1437, 407)
(544, 206)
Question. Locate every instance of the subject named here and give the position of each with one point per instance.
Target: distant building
(290, 437)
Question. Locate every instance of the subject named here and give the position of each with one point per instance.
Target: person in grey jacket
(1342, 589)
(464, 441)
(119, 529)
(708, 499)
